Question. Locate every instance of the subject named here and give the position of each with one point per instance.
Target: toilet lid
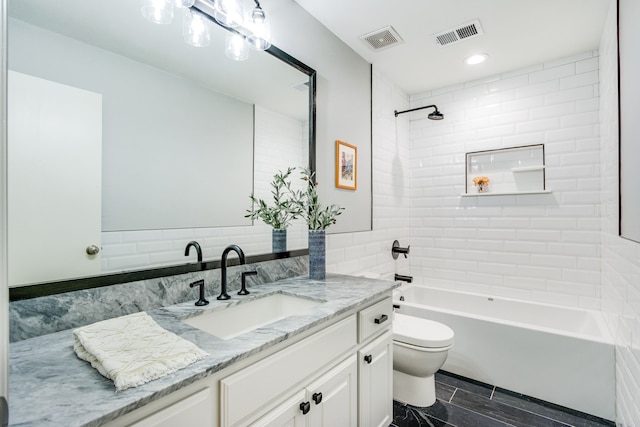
(421, 332)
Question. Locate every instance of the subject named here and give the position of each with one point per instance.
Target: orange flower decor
(482, 181)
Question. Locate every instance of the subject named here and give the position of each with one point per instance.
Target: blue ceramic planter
(278, 241)
(317, 255)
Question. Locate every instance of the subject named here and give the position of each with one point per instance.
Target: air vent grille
(459, 33)
(382, 39)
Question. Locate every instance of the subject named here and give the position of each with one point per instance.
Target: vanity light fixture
(476, 59)
(251, 30)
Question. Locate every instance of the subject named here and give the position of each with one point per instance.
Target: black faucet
(243, 290)
(223, 269)
(195, 245)
(201, 300)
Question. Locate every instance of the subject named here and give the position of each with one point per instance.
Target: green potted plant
(318, 219)
(279, 215)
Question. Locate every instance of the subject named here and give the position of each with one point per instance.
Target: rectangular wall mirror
(629, 92)
(124, 137)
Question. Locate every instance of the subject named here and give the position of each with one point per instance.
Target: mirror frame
(625, 160)
(89, 282)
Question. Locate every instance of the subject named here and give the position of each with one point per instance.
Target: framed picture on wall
(346, 165)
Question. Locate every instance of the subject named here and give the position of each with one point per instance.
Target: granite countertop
(50, 386)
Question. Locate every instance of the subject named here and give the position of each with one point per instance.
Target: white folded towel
(133, 349)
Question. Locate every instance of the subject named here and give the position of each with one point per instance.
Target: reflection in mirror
(181, 137)
(629, 69)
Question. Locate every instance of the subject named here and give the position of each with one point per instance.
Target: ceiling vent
(382, 39)
(459, 33)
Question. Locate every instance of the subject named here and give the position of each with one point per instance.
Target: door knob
(368, 358)
(92, 250)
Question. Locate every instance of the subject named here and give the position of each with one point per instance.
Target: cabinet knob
(383, 318)
(92, 250)
(317, 397)
(368, 358)
(305, 407)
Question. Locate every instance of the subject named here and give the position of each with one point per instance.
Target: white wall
(354, 253)
(620, 257)
(4, 287)
(343, 106)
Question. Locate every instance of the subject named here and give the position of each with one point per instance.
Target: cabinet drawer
(249, 391)
(196, 410)
(374, 319)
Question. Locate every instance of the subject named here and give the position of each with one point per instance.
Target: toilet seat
(421, 332)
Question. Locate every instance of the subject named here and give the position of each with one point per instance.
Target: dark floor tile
(444, 391)
(501, 411)
(549, 410)
(409, 416)
(468, 384)
(460, 416)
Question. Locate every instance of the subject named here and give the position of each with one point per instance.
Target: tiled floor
(462, 402)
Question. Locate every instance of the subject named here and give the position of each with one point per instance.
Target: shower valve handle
(396, 249)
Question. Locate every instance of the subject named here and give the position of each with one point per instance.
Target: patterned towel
(133, 349)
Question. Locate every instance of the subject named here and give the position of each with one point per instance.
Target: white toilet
(419, 349)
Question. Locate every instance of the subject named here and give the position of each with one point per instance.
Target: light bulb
(228, 12)
(157, 11)
(259, 30)
(195, 29)
(181, 4)
(236, 47)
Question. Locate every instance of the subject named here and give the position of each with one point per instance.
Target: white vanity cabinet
(337, 376)
(331, 400)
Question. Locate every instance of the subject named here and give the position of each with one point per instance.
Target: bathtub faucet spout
(401, 278)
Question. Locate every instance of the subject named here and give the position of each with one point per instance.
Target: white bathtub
(558, 354)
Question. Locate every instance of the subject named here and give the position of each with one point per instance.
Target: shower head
(436, 115)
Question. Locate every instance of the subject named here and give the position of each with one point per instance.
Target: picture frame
(346, 165)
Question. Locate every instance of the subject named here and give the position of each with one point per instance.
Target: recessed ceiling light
(476, 59)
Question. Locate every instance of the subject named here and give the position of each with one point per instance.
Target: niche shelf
(513, 170)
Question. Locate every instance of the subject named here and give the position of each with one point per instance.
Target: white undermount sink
(246, 316)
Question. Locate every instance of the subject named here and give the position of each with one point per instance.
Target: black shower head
(436, 115)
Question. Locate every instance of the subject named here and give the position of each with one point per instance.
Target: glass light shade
(180, 4)
(195, 29)
(228, 12)
(236, 47)
(259, 30)
(157, 11)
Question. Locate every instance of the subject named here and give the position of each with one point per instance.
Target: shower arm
(397, 113)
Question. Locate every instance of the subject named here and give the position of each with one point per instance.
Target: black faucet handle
(201, 300)
(243, 290)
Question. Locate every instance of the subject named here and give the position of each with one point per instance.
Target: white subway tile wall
(620, 257)
(542, 247)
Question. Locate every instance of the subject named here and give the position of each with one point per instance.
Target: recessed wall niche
(513, 170)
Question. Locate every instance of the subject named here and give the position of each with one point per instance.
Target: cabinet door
(334, 397)
(375, 365)
(287, 414)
